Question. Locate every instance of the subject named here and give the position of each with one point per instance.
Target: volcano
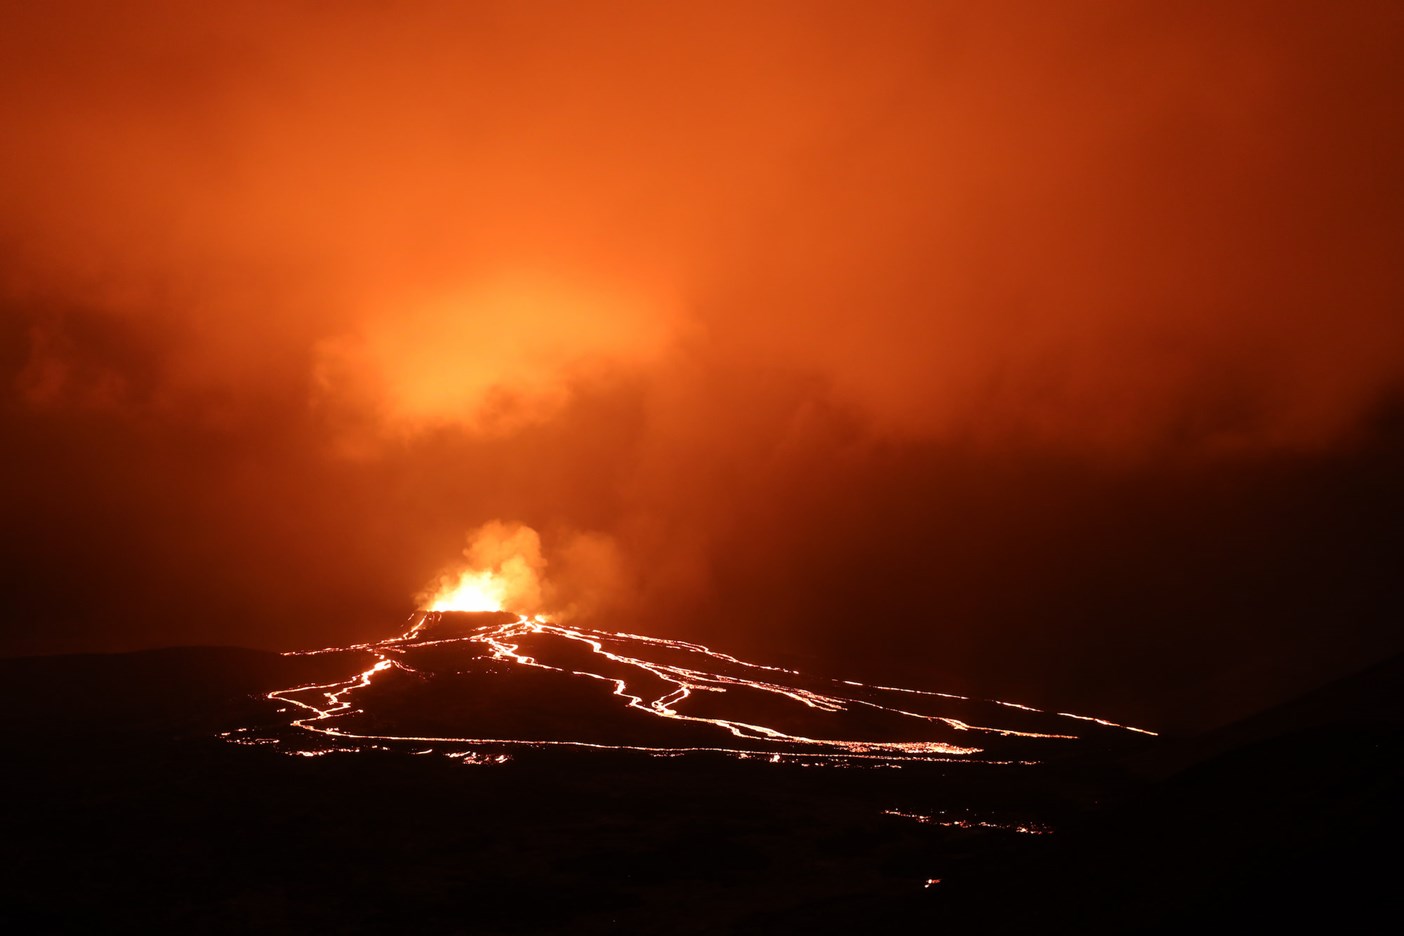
(482, 684)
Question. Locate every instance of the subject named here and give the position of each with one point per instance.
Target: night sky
(1048, 351)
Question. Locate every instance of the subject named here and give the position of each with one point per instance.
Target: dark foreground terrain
(126, 812)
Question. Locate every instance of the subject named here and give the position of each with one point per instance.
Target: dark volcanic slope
(155, 693)
(1287, 820)
(127, 812)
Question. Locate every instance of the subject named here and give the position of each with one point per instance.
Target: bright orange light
(501, 572)
(473, 591)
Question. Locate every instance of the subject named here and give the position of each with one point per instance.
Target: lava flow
(477, 686)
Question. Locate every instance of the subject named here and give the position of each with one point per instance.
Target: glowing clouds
(491, 356)
(1048, 241)
(503, 573)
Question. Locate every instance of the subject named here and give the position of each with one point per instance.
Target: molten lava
(530, 682)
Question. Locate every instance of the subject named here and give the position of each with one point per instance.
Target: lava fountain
(504, 570)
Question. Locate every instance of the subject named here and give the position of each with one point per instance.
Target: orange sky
(295, 294)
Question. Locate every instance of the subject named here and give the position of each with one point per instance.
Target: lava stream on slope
(476, 686)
